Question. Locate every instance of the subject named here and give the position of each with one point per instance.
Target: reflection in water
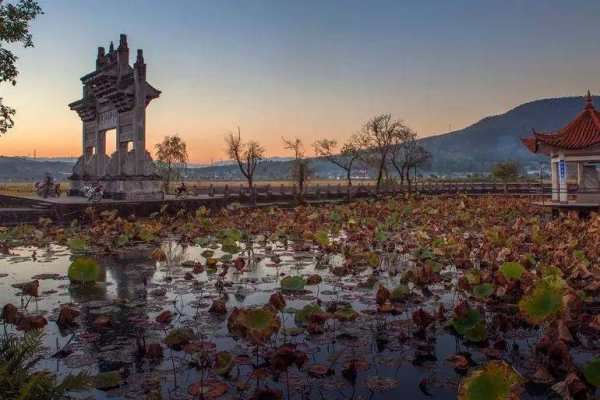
(134, 290)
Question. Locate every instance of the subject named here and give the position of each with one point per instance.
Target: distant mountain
(473, 149)
(497, 138)
(23, 169)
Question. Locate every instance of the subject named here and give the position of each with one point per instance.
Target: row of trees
(382, 143)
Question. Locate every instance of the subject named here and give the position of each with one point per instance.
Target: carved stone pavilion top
(115, 96)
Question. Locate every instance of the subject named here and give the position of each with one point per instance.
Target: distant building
(575, 147)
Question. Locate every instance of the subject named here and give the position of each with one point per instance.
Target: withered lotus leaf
(253, 324)
(495, 381)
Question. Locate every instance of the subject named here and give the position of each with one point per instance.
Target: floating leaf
(254, 324)
(484, 290)
(400, 293)
(322, 238)
(293, 283)
(84, 270)
(306, 312)
(470, 324)
(591, 372)
(512, 270)
(77, 244)
(544, 302)
(346, 313)
(223, 363)
(122, 240)
(179, 337)
(108, 380)
(372, 259)
(495, 381)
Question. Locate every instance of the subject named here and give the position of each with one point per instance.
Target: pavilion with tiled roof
(576, 145)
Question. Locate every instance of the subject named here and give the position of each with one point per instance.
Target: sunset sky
(310, 69)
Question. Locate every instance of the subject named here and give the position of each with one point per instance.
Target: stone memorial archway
(115, 96)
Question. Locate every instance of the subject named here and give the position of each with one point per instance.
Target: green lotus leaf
(122, 240)
(484, 290)
(84, 270)
(477, 333)
(306, 312)
(211, 262)
(466, 321)
(346, 313)
(544, 302)
(373, 259)
(207, 253)
(473, 276)
(108, 380)
(77, 244)
(229, 245)
(400, 293)
(254, 324)
(551, 270)
(179, 337)
(146, 236)
(512, 270)
(223, 363)
(322, 238)
(293, 283)
(494, 381)
(471, 325)
(591, 372)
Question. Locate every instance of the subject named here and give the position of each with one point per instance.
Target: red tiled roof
(582, 132)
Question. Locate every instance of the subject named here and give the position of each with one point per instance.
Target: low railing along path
(14, 208)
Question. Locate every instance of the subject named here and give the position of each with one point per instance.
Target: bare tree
(300, 168)
(247, 155)
(407, 154)
(344, 159)
(376, 141)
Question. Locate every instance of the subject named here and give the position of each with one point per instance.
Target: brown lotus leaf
(285, 356)
(383, 295)
(154, 351)
(208, 389)
(315, 329)
(563, 332)
(313, 279)
(267, 394)
(29, 288)
(164, 317)
(319, 371)
(10, 314)
(29, 323)
(103, 322)
(277, 301)
(459, 362)
(422, 318)
(66, 317)
(239, 264)
(218, 307)
(542, 376)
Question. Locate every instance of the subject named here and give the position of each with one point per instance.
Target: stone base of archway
(123, 187)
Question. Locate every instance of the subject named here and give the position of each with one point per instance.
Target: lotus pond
(466, 298)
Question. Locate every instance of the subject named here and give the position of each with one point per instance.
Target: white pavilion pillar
(554, 172)
(562, 178)
(580, 173)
